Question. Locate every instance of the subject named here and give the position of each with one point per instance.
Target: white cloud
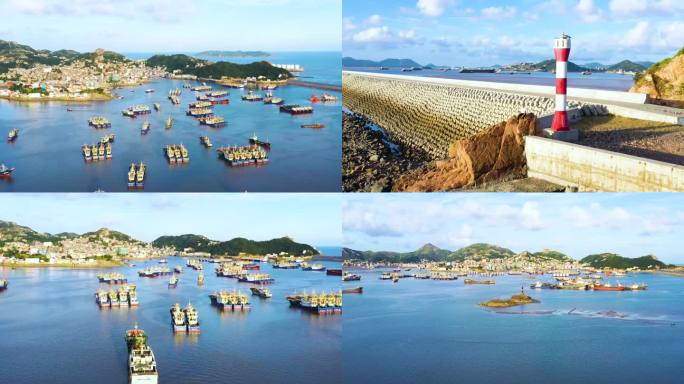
(348, 24)
(637, 36)
(383, 36)
(375, 19)
(434, 7)
(161, 10)
(644, 8)
(498, 12)
(627, 7)
(589, 12)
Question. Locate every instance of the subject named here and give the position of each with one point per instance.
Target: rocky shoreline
(370, 161)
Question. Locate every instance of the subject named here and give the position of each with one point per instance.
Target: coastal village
(78, 79)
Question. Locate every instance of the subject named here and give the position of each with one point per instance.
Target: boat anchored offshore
(262, 292)
(178, 319)
(192, 319)
(313, 267)
(256, 278)
(206, 141)
(230, 301)
(173, 282)
(313, 126)
(169, 123)
(321, 304)
(142, 365)
(145, 128)
(3, 284)
(254, 140)
(13, 134)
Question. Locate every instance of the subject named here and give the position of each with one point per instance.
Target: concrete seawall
(430, 115)
(594, 169)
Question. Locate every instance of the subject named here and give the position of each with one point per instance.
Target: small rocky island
(515, 300)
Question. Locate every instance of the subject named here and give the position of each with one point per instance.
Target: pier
(311, 84)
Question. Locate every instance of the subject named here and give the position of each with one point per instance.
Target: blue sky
(174, 25)
(488, 32)
(577, 224)
(310, 218)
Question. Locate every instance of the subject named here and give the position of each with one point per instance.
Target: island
(234, 53)
(515, 300)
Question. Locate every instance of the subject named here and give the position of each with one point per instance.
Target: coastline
(92, 98)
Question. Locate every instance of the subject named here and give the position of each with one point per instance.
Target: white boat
(142, 366)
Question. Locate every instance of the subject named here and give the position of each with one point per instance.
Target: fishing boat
(200, 279)
(157, 107)
(94, 152)
(178, 269)
(206, 142)
(636, 287)
(170, 151)
(348, 276)
(254, 140)
(313, 126)
(353, 290)
(13, 134)
(108, 151)
(145, 127)
(3, 284)
(192, 319)
(169, 123)
(313, 267)
(184, 154)
(173, 282)
(133, 297)
(142, 365)
(140, 175)
(86, 152)
(178, 319)
(131, 175)
(262, 292)
(149, 90)
(472, 281)
(101, 298)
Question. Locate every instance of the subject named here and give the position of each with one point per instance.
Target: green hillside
(207, 69)
(235, 246)
(481, 251)
(611, 260)
(549, 65)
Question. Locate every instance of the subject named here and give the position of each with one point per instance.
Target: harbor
(218, 341)
(144, 122)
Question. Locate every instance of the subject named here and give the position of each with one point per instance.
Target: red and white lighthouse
(561, 50)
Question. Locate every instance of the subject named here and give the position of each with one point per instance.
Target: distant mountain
(207, 69)
(628, 66)
(390, 63)
(551, 255)
(549, 65)
(611, 260)
(234, 53)
(105, 235)
(235, 246)
(594, 66)
(426, 252)
(12, 232)
(645, 64)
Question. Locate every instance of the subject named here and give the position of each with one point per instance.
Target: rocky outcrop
(485, 156)
(664, 82)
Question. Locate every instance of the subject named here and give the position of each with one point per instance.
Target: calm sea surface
(608, 81)
(47, 154)
(51, 330)
(434, 332)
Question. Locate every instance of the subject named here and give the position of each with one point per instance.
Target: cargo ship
(251, 267)
(471, 281)
(178, 319)
(313, 126)
(321, 304)
(99, 122)
(477, 70)
(348, 276)
(200, 112)
(217, 94)
(254, 140)
(262, 292)
(173, 282)
(3, 284)
(145, 128)
(201, 88)
(192, 319)
(142, 365)
(313, 267)
(230, 301)
(295, 109)
(334, 272)
(194, 264)
(256, 278)
(200, 105)
(206, 141)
